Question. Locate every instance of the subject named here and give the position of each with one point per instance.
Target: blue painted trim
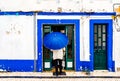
(85, 66)
(17, 65)
(16, 13)
(110, 61)
(57, 13)
(39, 44)
(40, 22)
(110, 44)
(78, 13)
(91, 44)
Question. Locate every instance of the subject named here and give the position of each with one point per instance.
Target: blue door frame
(40, 22)
(110, 62)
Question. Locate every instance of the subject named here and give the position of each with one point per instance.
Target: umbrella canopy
(55, 40)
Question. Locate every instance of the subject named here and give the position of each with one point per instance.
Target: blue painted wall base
(86, 66)
(17, 65)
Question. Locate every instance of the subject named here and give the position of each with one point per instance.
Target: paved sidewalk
(50, 74)
(70, 76)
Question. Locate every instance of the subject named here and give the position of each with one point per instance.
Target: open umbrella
(55, 40)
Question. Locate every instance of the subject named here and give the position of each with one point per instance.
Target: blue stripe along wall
(16, 13)
(61, 13)
(28, 65)
(17, 65)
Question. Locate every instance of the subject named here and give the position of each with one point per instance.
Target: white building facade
(92, 27)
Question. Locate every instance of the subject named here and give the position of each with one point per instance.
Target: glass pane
(104, 29)
(46, 29)
(103, 44)
(70, 35)
(70, 53)
(99, 42)
(103, 48)
(46, 26)
(95, 37)
(95, 28)
(46, 53)
(99, 30)
(104, 37)
(95, 44)
(70, 30)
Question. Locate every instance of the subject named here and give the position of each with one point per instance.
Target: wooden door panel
(100, 52)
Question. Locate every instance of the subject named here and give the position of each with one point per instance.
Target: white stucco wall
(116, 48)
(52, 5)
(16, 37)
(17, 32)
